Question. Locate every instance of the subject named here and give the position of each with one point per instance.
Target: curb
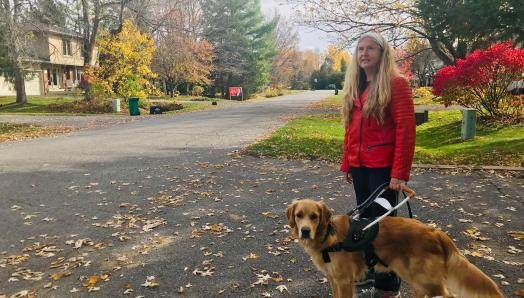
(497, 168)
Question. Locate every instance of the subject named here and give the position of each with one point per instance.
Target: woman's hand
(397, 184)
(349, 178)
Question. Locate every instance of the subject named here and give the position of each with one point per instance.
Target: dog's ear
(325, 216)
(290, 214)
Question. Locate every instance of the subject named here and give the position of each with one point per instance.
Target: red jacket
(390, 144)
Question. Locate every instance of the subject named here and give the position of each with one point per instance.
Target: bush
(197, 91)
(94, 106)
(273, 92)
(168, 106)
(422, 92)
(481, 82)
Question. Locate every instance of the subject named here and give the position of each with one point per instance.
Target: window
(66, 46)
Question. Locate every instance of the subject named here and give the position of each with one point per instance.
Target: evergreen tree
(243, 43)
(455, 28)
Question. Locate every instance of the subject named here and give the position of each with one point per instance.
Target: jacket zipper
(360, 144)
(380, 145)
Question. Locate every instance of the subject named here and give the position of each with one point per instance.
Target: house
(56, 61)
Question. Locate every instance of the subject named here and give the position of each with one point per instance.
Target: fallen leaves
(282, 288)
(517, 235)
(150, 282)
(166, 201)
(251, 256)
(474, 233)
(513, 250)
(153, 223)
(13, 260)
(27, 274)
(206, 269)
(92, 280)
(23, 294)
(60, 275)
(30, 131)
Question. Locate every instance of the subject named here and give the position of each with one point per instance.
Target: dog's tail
(463, 278)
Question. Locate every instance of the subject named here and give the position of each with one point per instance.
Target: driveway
(169, 206)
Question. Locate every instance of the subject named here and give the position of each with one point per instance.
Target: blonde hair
(379, 94)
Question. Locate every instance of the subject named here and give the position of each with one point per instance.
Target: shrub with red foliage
(481, 81)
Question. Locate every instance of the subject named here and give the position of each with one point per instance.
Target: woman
(379, 140)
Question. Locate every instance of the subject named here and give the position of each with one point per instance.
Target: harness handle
(404, 190)
(411, 193)
(377, 192)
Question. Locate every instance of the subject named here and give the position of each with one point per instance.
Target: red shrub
(481, 80)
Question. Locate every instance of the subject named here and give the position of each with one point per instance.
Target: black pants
(365, 181)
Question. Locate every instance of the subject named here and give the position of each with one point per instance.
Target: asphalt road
(169, 207)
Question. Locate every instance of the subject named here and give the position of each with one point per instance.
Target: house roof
(44, 28)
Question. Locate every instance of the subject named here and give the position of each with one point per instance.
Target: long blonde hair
(379, 94)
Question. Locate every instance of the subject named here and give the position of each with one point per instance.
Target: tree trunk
(90, 33)
(12, 20)
(20, 85)
(440, 53)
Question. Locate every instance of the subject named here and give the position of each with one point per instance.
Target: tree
(181, 59)
(481, 81)
(338, 57)
(309, 61)
(425, 63)
(285, 63)
(242, 42)
(327, 76)
(183, 56)
(455, 29)
(451, 27)
(13, 43)
(50, 12)
(404, 61)
(125, 61)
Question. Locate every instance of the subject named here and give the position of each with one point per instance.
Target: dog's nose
(305, 233)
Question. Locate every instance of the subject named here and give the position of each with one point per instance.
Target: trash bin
(133, 106)
(155, 110)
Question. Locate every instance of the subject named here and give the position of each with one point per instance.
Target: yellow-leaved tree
(339, 57)
(125, 61)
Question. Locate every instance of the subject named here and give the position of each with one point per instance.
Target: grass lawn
(438, 141)
(34, 105)
(310, 137)
(332, 102)
(37, 105)
(184, 98)
(13, 132)
(274, 93)
(190, 107)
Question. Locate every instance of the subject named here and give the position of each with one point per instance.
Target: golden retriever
(424, 257)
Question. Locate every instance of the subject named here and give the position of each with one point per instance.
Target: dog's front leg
(334, 287)
(346, 288)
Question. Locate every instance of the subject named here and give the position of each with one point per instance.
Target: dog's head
(308, 218)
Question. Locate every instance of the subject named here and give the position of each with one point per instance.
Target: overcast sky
(309, 39)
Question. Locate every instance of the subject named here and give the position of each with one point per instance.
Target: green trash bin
(133, 106)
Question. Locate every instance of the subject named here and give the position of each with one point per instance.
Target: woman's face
(368, 54)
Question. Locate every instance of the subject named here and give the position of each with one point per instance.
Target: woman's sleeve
(344, 164)
(403, 113)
